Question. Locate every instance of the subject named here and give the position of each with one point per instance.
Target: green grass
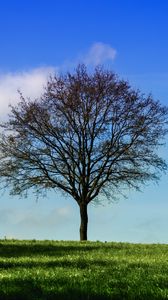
(82, 270)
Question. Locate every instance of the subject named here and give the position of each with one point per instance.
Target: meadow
(82, 270)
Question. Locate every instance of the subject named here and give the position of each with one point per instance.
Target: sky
(43, 37)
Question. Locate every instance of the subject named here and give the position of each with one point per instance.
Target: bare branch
(88, 134)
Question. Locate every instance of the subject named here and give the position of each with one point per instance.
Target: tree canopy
(88, 134)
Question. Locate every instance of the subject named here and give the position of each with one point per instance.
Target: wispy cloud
(52, 218)
(31, 221)
(99, 53)
(30, 82)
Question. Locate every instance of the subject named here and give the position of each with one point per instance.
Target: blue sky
(41, 37)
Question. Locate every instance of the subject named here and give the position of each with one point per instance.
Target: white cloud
(30, 82)
(32, 218)
(37, 222)
(99, 53)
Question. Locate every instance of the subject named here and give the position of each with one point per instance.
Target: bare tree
(89, 134)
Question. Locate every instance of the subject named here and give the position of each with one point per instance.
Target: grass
(82, 270)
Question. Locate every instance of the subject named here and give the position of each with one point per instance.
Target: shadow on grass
(13, 250)
(28, 290)
(63, 287)
(9, 249)
(80, 264)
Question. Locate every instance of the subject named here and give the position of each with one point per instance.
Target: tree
(89, 134)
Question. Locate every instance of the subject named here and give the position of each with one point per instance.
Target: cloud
(37, 222)
(30, 82)
(99, 53)
(32, 219)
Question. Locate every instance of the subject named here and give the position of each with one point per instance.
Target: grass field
(82, 270)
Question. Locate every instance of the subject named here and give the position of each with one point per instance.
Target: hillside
(82, 270)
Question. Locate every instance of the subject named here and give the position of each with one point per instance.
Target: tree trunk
(84, 222)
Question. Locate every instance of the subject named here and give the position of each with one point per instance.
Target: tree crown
(89, 134)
